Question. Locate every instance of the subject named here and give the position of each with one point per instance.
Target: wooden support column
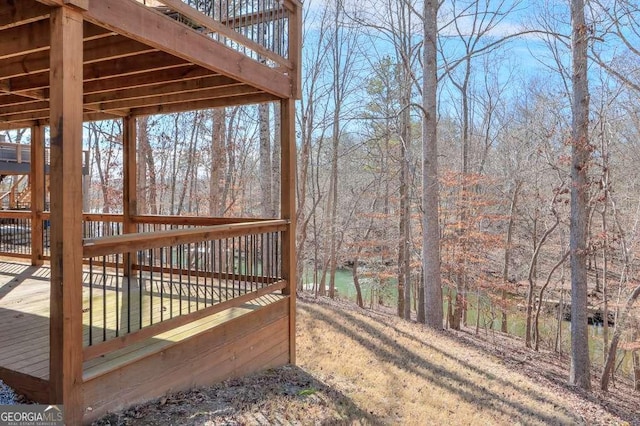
(66, 212)
(129, 190)
(36, 180)
(288, 211)
(295, 49)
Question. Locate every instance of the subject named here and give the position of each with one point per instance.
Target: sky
(525, 57)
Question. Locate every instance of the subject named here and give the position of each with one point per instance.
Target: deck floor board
(24, 315)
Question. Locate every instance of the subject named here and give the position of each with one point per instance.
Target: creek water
(345, 289)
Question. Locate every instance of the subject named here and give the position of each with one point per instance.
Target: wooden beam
(103, 115)
(105, 49)
(14, 125)
(34, 37)
(52, 2)
(24, 39)
(175, 98)
(208, 87)
(193, 85)
(113, 48)
(205, 104)
(33, 114)
(150, 240)
(28, 119)
(16, 13)
(11, 99)
(25, 120)
(22, 107)
(66, 212)
(179, 73)
(134, 20)
(78, 4)
(37, 194)
(288, 212)
(100, 70)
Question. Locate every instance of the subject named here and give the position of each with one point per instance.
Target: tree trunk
(174, 164)
(275, 162)
(421, 315)
(507, 253)
(356, 283)
(142, 183)
(560, 319)
(333, 205)
(536, 327)
(190, 163)
(265, 161)
(218, 161)
(635, 356)
(404, 240)
(617, 333)
(605, 243)
(430, 197)
(231, 162)
(581, 151)
(531, 276)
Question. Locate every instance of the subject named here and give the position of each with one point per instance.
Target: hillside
(362, 367)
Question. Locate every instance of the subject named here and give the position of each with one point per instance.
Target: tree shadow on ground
(619, 401)
(455, 382)
(277, 396)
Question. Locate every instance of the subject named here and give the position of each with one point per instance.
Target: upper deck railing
(267, 31)
(21, 153)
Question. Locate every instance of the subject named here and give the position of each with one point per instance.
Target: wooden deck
(65, 62)
(24, 321)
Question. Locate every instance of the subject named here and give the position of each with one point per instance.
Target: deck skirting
(232, 342)
(253, 341)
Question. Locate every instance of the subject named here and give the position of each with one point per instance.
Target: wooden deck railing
(146, 283)
(21, 153)
(267, 31)
(175, 270)
(15, 233)
(15, 228)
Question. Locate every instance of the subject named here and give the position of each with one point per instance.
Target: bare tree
(265, 160)
(580, 374)
(432, 311)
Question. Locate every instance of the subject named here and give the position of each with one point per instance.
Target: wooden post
(66, 212)
(295, 49)
(288, 211)
(36, 180)
(129, 190)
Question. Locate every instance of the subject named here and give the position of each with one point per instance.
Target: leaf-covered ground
(363, 367)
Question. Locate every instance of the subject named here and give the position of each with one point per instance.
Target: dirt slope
(360, 367)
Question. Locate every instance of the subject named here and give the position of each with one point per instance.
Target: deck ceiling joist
(136, 61)
(15, 13)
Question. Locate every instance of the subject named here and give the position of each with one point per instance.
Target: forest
(466, 163)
